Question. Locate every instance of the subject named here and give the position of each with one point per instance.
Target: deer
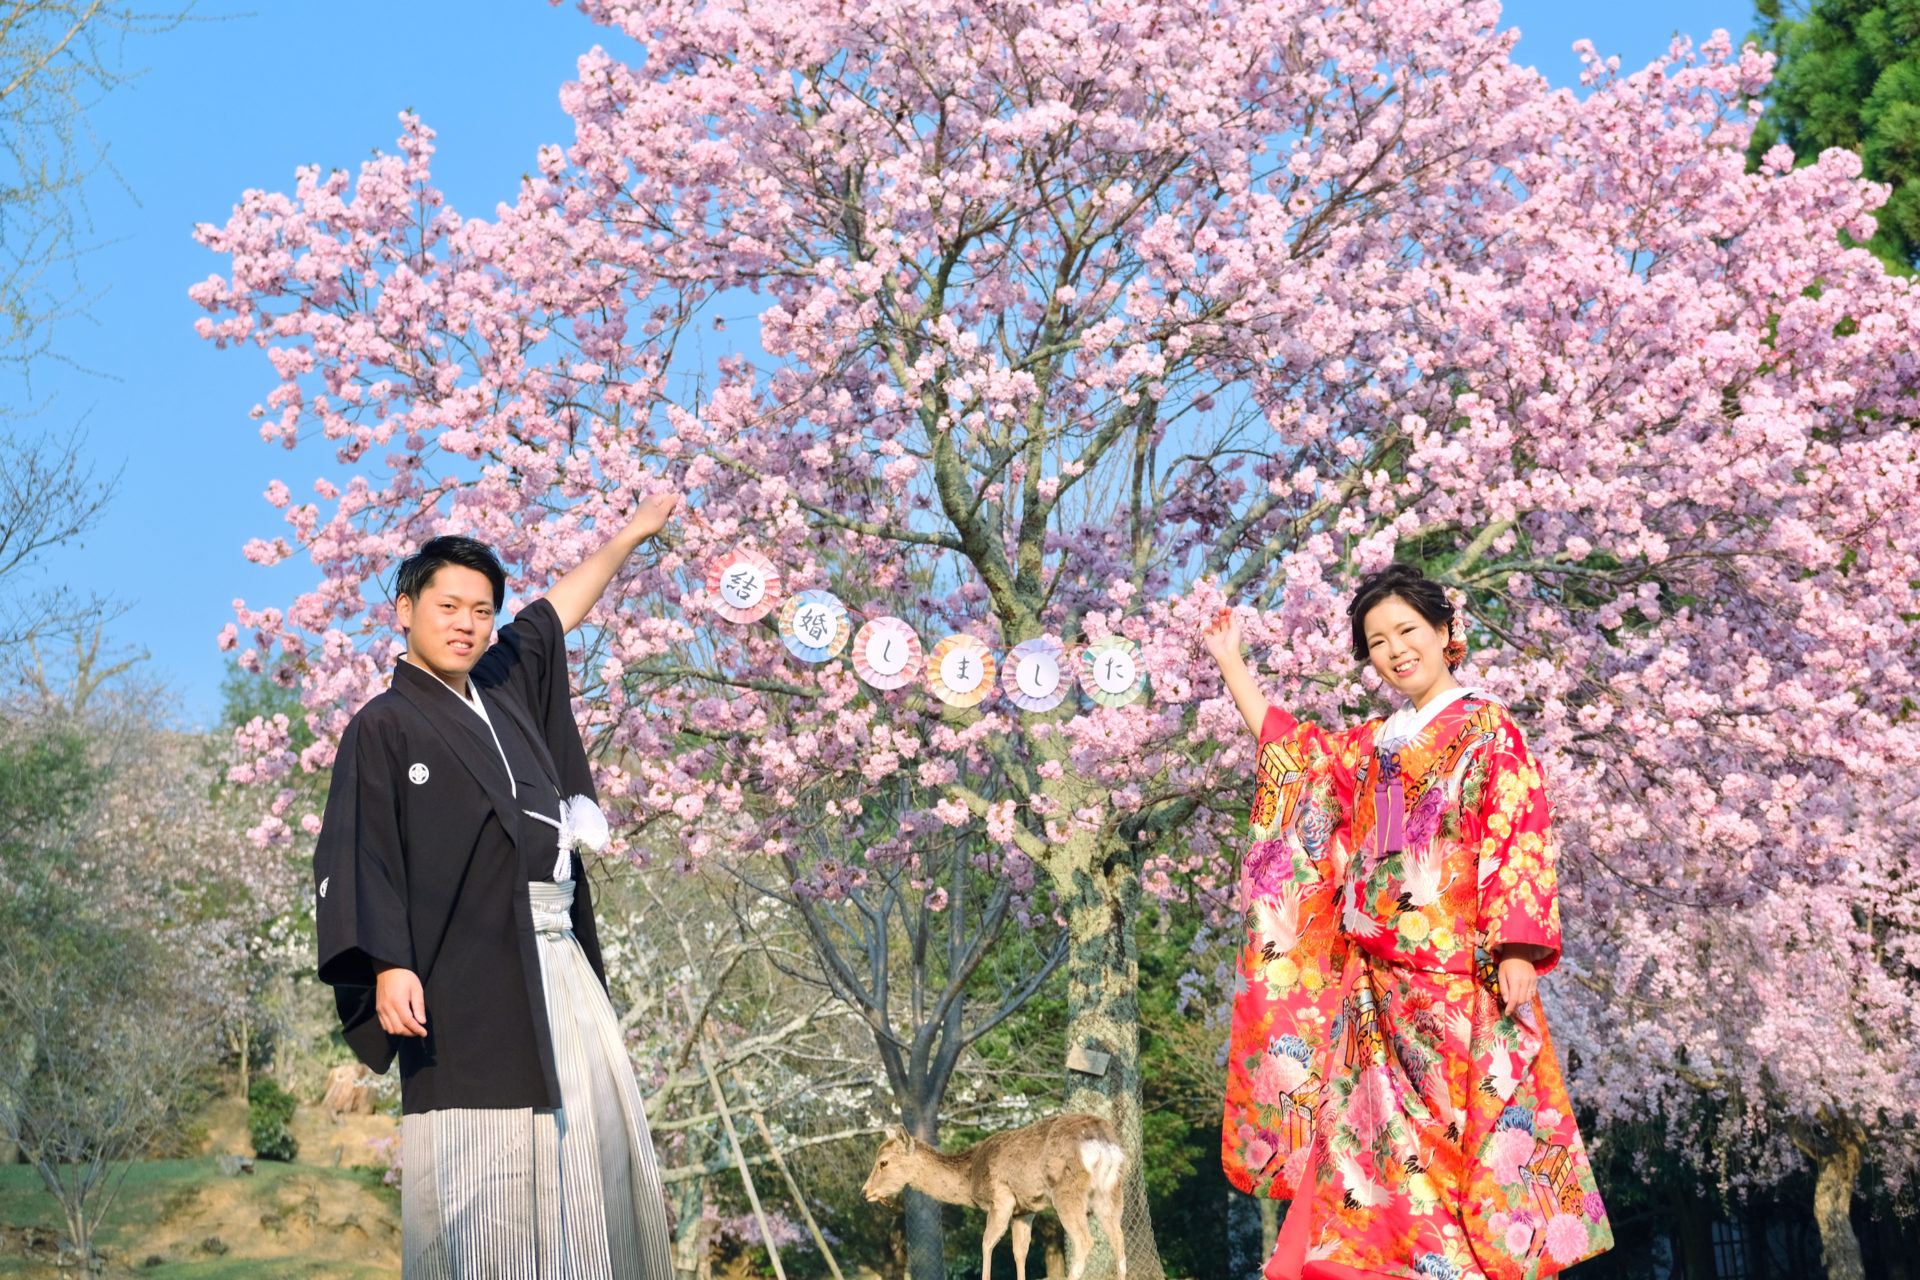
(1072, 1161)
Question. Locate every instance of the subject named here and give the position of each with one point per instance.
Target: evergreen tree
(1849, 76)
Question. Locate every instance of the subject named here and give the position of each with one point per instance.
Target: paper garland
(814, 626)
(960, 670)
(745, 584)
(1033, 677)
(887, 654)
(1111, 671)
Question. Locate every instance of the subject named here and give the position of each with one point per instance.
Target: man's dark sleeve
(530, 661)
(360, 886)
(526, 657)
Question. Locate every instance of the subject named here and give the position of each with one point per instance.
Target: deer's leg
(1022, 1237)
(1071, 1205)
(1106, 1206)
(997, 1216)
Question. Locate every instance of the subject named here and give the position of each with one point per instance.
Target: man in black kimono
(456, 930)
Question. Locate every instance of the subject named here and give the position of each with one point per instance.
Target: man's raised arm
(577, 592)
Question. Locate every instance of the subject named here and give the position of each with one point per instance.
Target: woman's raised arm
(1223, 642)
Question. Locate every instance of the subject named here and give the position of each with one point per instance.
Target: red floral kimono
(1372, 1078)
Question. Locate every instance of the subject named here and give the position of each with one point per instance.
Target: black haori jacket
(423, 862)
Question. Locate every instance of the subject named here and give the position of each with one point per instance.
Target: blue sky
(230, 104)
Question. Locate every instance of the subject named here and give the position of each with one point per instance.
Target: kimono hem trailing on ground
(1372, 1079)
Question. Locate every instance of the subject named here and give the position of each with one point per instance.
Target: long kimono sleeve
(530, 659)
(1519, 885)
(360, 887)
(1301, 767)
(1287, 985)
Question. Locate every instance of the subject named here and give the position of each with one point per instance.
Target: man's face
(449, 626)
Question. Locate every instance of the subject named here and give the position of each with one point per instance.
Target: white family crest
(323, 885)
(417, 774)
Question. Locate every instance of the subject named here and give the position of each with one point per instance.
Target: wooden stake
(739, 1154)
(819, 1240)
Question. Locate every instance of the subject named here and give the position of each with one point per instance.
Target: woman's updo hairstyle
(1425, 596)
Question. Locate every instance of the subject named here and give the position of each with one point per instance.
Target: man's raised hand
(576, 593)
(654, 509)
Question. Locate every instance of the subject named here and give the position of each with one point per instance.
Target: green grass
(221, 1269)
(154, 1192)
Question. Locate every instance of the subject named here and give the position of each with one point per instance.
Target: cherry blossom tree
(1776, 1017)
(135, 914)
(1091, 319)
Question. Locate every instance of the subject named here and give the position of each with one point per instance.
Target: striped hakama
(537, 1193)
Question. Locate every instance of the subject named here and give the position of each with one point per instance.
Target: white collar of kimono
(472, 698)
(581, 821)
(1405, 724)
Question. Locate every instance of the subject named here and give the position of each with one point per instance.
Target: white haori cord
(582, 824)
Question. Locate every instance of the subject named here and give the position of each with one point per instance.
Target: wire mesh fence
(944, 1243)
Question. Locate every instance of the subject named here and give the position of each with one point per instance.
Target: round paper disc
(1034, 678)
(814, 625)
(960, 671)
(745, 585)
(1111, 671)
(887, 654)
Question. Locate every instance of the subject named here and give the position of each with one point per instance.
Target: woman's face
(1405, 648)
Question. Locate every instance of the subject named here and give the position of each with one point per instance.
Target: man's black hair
(1422, 594)
(417, 570)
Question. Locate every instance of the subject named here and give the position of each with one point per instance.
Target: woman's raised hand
(1222, 637)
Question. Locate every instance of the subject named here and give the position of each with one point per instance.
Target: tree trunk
(1269, 1227)
(1837, 1146)
(926, 1236)
(73, 1207)
(1103, 1016)
(1693, 1225)
(691, 1228)
(1833, 1208)
(924, 1219)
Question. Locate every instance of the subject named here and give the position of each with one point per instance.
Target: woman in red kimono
(1389, 1070)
